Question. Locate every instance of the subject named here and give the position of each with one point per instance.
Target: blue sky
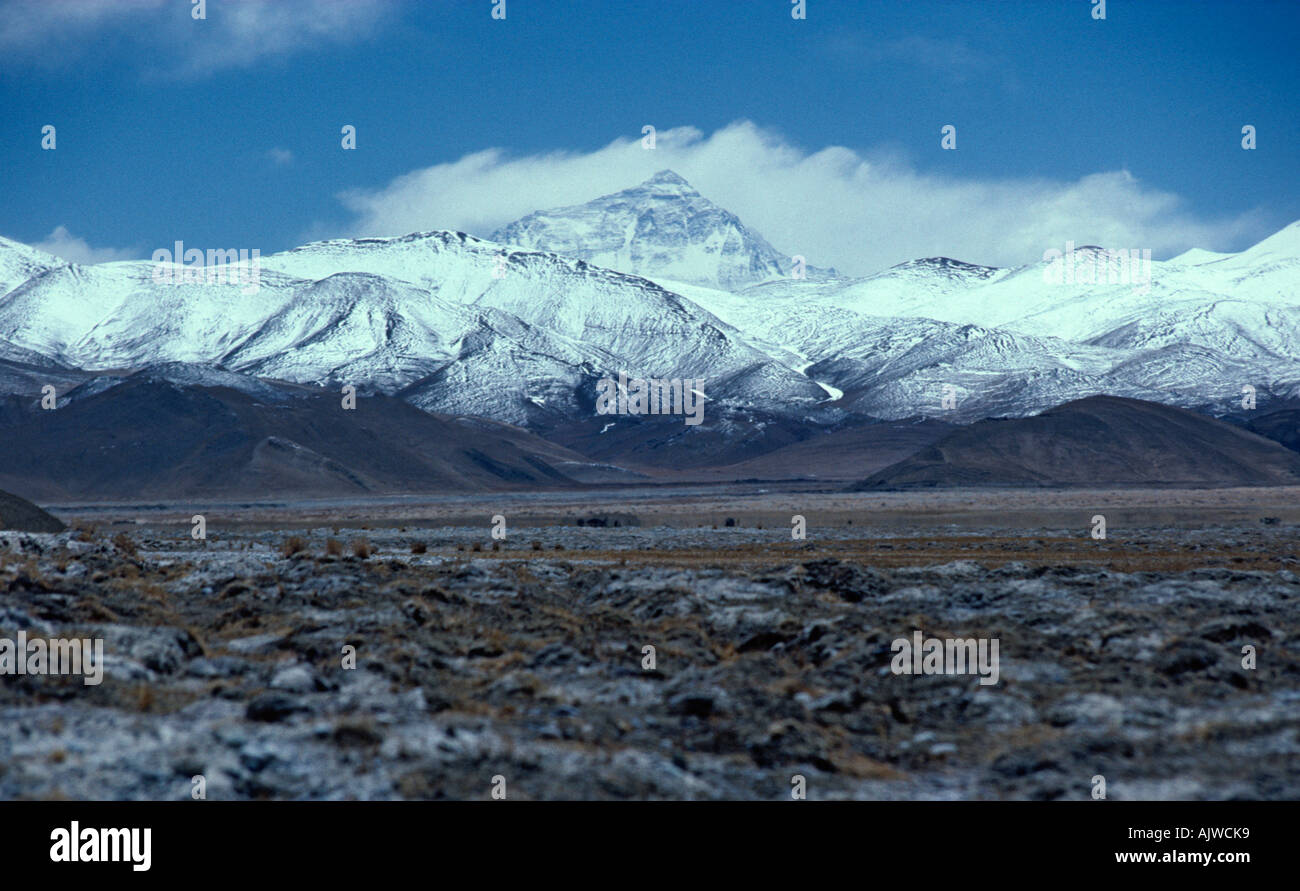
(823, 134)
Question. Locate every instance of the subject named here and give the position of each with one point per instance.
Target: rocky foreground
(226, 659)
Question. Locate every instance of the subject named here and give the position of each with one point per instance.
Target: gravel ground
(225, 659)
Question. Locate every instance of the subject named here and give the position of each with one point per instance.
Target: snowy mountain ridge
(519, 330)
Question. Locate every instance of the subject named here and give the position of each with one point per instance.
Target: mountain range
(658, 282)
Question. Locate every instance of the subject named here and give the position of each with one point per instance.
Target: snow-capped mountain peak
(669, 182)
(662, 229)
(1281, 245)
(19, 262)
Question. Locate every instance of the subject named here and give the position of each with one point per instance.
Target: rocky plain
(400, 651)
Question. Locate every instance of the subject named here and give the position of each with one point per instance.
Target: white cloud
(280, 156)
(62, 243)
(835, 206)
(37, 24)
(234, 34)
(248, 30)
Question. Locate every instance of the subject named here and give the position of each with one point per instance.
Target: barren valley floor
(525, 658)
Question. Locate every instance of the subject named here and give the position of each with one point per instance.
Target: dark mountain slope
(1281, 426)
(150, 437)
(1101, 440)
(21, 515)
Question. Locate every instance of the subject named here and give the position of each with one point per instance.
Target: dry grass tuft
(123, 543)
